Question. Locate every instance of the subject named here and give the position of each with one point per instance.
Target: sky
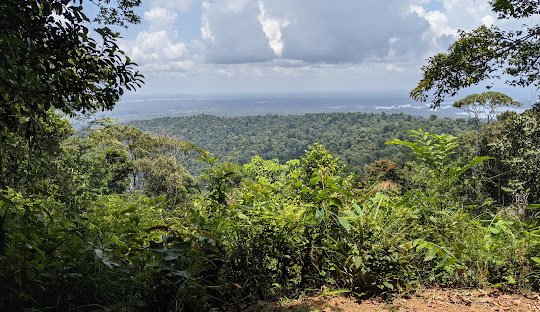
(265, 46)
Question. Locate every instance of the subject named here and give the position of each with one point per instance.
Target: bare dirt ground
(428, 300)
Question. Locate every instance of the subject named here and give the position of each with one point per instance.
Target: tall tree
(485, 105)
(486, 53)
(53, 59)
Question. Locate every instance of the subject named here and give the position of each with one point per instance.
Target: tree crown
(485, 54)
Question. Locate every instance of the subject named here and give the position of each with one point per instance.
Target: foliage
(51, 45)
(382, 170)
(84, 171)
(109, 217)
(52, 61)
(514, 172)
(121, 13)
(258, 231)
(515, 8)
(25, 162)
(300, 225)
(355, 137)
(485, 54)
(485, 105)
(436, 154)
(117, 254)
(156, 163)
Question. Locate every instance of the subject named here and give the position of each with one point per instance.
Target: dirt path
(428, 300)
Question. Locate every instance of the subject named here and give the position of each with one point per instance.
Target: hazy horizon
(140, 106)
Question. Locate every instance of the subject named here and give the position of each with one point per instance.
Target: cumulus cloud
(158, 47)
(160, 18)
(305, 31)
(177, 5)
(301, 43)
(353, 31)
(466, 14)
(452, 16)
(315, 31)
(272, 28)
(232, 32)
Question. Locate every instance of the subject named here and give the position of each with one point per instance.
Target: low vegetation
(108, 218)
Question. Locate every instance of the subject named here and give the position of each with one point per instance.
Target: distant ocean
(150, 107)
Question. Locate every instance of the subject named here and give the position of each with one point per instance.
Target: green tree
(437, 170)
(52, 60)
(485, 53)
(84, 170)
(357, 138)
(514, 173)
(485, 105)
(158, 163)
(25, 163)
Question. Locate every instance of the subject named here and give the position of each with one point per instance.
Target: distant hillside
(358, 138)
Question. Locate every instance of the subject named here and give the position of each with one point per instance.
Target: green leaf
(98, 253)
(534, 206)
(431, 254)
(345, 224)
(242, 216)
(181, 273)
(157, 247)
(358, 209)
(319, 215)
(109, 263)
(388, 285)
(510, 280)
(421, 245)
(115, 239)
(315, 180)
(171, 256)
(335, 292)
(357, 260)
(336, 201)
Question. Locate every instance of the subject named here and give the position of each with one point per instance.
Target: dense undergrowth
(109, 219)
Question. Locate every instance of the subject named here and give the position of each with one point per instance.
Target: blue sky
(245, 46)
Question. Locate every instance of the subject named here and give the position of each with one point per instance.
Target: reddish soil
(427, 300)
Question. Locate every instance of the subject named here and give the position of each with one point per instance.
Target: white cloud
(206, 32)
(394, 68)
(274, 77)
(177, 5)
(272, 28)
(354, 31)
(289, 44)
(160, 19)
(488, 20)
(232, 32)
(437, 20)
(466, 14)
(158, 48)
(452, 16)
(315, 31)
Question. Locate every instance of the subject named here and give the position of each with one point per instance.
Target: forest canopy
(357, 138)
